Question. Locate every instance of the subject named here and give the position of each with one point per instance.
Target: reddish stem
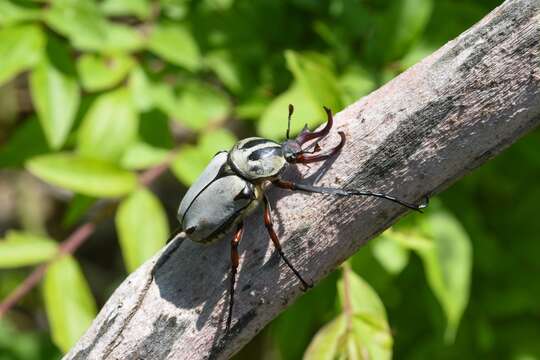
(71, 244)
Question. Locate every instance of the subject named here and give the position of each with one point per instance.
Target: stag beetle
(232, 186)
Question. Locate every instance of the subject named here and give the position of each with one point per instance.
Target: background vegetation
(94, 92)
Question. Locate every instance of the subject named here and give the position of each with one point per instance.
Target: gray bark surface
(411, 138)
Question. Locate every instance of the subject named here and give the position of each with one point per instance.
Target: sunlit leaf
(411, 22)
(222, 63)
(24, 249)
(326, 343)
(175, 44)
(141, 155)
(195, 107)
(139, 8)
(370, 336)
(316, 77)
(142, 227)
(390, 254)
(356, 82)
(69, 303)
(141, 89)
(109, 127)
(80, 21)
(85, 25)
(100, 72)
(55, 94)
(192, 160)
(87, 176)
(448, 266)
(12, 12)
(416, 54)
(360, 332)
(21, 48)
(399, 29)
(273, 123)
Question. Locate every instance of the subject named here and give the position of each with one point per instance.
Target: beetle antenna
(291, 110)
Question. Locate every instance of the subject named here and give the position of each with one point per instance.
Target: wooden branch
(413, 137)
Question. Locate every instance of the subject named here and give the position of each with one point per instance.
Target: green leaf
(142, 227)
(140, 8)
(12, 12)
(87, 176)
(142, 155)
(316, 77)
(78, 20)
(224, 65)
(77, 208)
(273, 123)
(192, 160)
(416, 54)
(398, 30)
(23, 249)
(197, 105)
(83, 23)
(174, 43)
(69, 303)
(103, 72)
(356, 82)
(109, 127)
(141, 89)
(361, 332)
(26, 141)
(448, 266)
(55, 94)
(390, 254)
(411, 22)
(326, 343)
(445, 249)
(21, 47)
(370, 336)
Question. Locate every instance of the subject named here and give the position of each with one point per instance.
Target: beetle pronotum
(234, 183)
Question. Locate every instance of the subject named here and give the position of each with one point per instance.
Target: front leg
(289, 185)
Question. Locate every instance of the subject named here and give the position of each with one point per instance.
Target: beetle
(233, 185)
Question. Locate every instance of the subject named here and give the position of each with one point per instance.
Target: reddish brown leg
(234, 266)
(270, 228)
(305, 159)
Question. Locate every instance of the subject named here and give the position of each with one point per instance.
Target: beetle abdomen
(217, 208)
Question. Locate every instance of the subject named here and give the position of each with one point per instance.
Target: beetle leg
(234, 266)
(345, 192)
(270, 228)
(305, 159)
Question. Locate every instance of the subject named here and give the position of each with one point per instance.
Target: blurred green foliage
(92, 91)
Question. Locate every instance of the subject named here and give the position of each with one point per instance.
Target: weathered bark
(413, 137)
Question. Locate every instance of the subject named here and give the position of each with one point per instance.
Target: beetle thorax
(257, 159)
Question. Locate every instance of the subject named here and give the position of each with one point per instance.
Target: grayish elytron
(233, 183)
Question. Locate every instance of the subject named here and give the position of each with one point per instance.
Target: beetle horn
(307, 135)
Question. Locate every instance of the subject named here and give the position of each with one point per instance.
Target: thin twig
(75, 240)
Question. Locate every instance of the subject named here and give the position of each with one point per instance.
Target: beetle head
(292, 149)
